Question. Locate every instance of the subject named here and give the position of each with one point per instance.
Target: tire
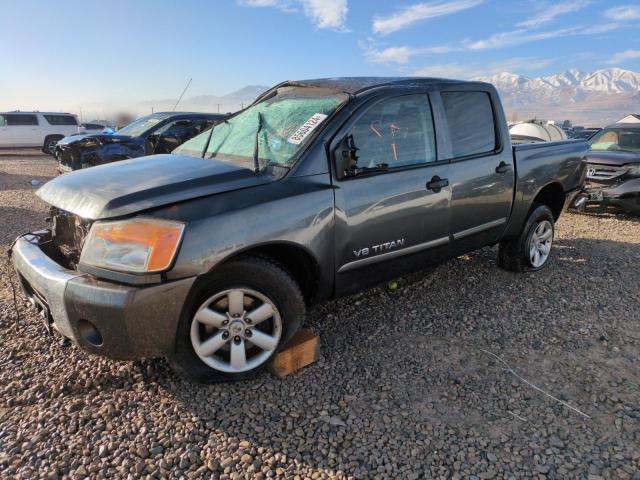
(268, 291)
(518, 254)
(49, 146)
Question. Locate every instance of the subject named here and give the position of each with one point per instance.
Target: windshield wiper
(256, 146)
(206, 146)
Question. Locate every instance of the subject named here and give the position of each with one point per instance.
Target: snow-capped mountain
(609, 80)
(595, 97)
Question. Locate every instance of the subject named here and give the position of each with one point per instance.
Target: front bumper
(623, 195)
(117, 321)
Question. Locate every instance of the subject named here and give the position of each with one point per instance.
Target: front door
(395, 219)
(482, 173)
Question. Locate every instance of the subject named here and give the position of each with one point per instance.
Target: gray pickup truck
(210, 255)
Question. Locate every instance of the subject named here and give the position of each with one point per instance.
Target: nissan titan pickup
(210, 255)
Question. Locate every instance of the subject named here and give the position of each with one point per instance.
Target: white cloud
(622, 57)
(474, 70)
(523, 35)
(517, 37)
(401, 55)
(551, 12)
(420, 11)
(624, 13)
(323, 13)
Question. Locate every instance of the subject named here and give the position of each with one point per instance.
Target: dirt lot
(409, 383)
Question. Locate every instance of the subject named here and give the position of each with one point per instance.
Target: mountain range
(591, 98)
(587, 98)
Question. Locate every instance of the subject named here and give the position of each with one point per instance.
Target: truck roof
(358, 84)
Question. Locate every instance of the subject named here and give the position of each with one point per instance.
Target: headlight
(634, 169)
(139, 245)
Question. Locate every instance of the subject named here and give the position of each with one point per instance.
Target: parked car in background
(585, 133)
(91, 128)
(35, 129)
(94, 127)
(319, 189)
(613, 169)
(156, 133)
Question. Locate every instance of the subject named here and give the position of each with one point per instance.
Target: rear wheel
(49, 146)
(530, 251)
(237, 320)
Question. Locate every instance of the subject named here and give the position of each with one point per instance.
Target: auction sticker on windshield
(306, 128)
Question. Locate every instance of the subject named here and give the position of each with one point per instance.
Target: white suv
(35, 129)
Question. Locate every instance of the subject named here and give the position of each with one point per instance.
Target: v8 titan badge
(306, 128)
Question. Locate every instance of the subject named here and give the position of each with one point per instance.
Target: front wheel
(530, 251)
(238, 318)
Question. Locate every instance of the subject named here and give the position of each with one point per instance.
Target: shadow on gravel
(10, 181)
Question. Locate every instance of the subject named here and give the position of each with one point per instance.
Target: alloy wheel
(236, 330)
(540, 243)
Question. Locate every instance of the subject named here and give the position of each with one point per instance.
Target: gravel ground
(408, 384)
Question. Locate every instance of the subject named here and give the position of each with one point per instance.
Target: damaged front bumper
(624, 196)
(105, 318)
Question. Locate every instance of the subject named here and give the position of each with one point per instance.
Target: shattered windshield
(141, 125)
(616, 139)
(284, 122)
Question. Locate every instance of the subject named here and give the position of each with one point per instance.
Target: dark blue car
(156, 133)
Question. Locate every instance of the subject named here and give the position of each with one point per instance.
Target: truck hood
(130, 186)
(613, 158)
(82, 137)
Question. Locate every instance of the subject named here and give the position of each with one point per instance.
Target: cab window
(395, 133)
(20, 119)
(470, 120)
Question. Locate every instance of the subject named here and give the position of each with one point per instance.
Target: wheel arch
(293, 257)
(553, 196)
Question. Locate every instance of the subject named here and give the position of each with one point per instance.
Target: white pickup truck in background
(35, 129)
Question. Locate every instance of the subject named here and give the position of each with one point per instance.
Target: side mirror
(345, 157)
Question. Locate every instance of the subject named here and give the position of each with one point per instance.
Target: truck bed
(543, 163)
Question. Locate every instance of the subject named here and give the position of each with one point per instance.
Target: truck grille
(597, 172)
(68, 232)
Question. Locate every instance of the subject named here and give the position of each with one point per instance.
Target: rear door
(482, 172)
(24, 129)
(390, 222)
(61, 124)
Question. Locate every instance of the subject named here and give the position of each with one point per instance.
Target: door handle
(436, 183)
(502, 168)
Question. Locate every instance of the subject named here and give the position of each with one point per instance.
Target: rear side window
(470, 120)
(20, 119)
(61, 119)
(3, 122)
(397, 132)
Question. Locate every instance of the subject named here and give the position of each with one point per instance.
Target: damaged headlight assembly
(138, 245)
(634, 169)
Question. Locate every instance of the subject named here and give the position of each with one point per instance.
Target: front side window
(396, 132)
(616, 139)
(470, 120)
(18, 119)
(277, 128)
(61, 119)
(3, 122)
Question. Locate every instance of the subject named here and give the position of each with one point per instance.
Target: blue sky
(63, 53)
